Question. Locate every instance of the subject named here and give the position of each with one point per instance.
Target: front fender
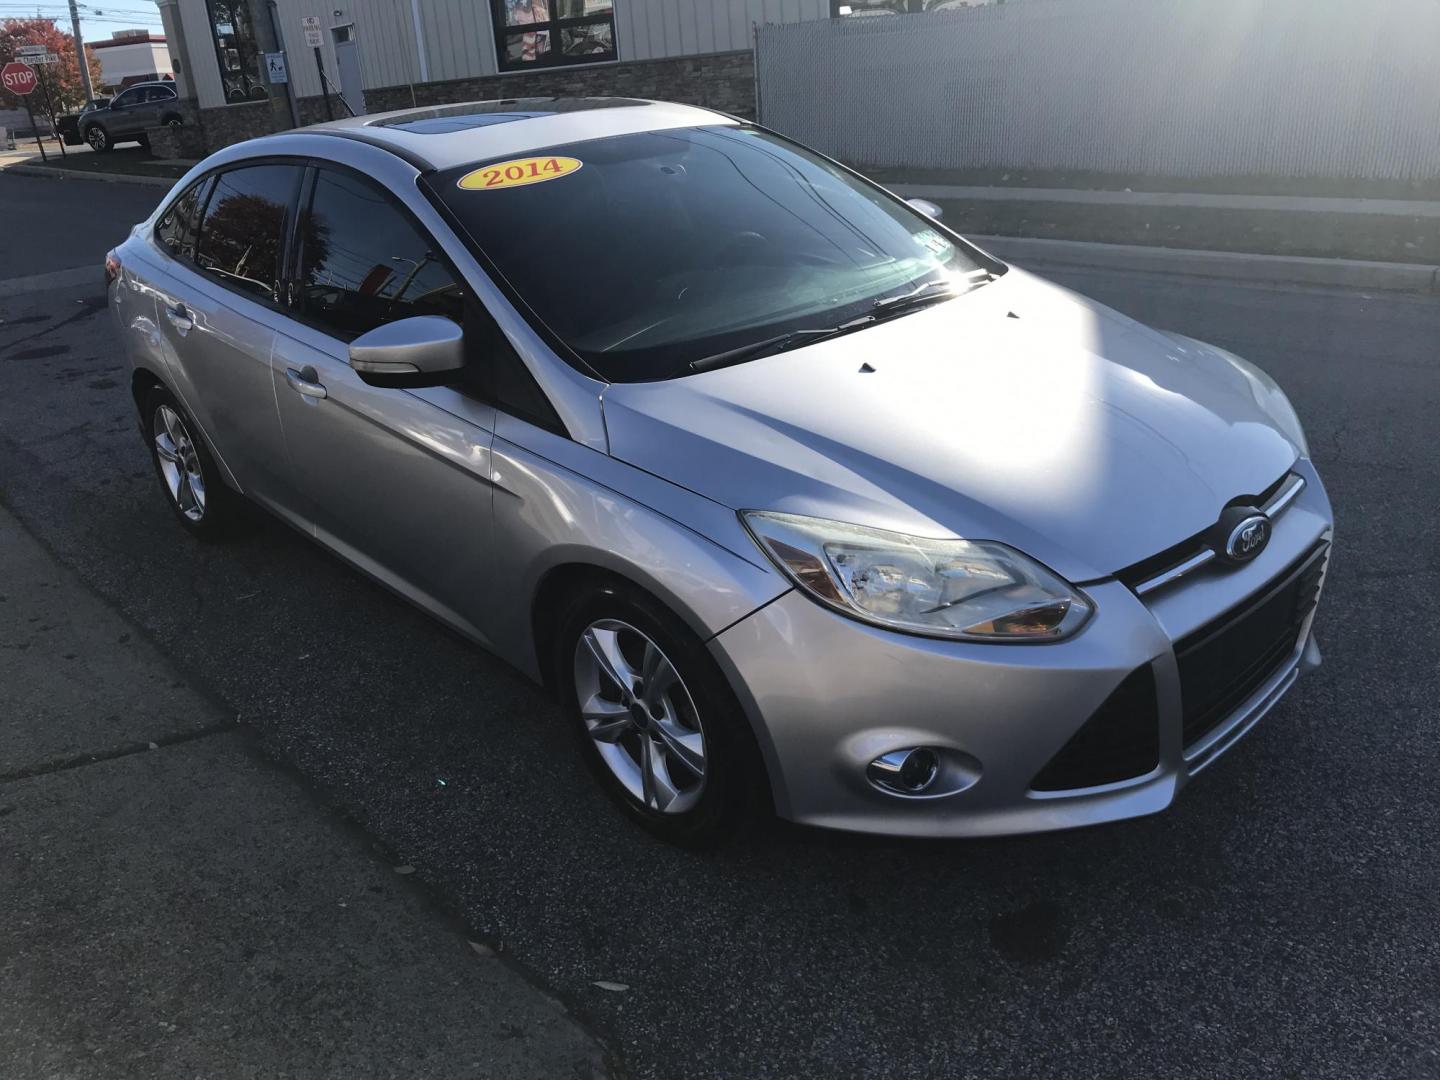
(559, 504)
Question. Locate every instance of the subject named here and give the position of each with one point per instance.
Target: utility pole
(284, 113)
(80, 53)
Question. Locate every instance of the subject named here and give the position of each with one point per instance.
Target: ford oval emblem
(1248, 538)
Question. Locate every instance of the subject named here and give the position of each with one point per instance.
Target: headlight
(974, 590)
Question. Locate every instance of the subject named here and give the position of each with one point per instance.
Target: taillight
(112, 268)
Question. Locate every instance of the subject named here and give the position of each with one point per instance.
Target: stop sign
(18, 78)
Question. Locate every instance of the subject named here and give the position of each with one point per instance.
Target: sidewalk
(175, 906)
(1314, 204)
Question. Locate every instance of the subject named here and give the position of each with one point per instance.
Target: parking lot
(1278, 921)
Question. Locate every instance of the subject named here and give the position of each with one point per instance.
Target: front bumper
(827, 695)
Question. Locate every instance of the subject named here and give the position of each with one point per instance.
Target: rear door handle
(179, 317)
(305, 382)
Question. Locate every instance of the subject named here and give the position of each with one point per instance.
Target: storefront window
(548, 33)
(900, 7)
(235, 48)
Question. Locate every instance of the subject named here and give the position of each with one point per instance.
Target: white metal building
(131, 56)
(402, 42)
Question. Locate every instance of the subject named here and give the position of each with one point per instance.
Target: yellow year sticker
(518, 173)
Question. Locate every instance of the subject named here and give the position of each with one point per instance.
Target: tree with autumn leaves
(63, 78)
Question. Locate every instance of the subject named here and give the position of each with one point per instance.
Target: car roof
(452, 135)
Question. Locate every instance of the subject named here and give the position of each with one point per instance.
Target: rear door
(398, 481)
(217, 304)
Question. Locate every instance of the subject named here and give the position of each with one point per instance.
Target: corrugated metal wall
(650, 29)
(1332, 88)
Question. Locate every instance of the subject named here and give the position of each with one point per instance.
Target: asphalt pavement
(1279, 921)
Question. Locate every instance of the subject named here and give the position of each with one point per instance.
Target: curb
(75, 174)
(1228, 265)
(1299, 204)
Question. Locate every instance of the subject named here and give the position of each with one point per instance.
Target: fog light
(905, 772)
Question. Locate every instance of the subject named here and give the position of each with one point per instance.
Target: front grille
(1120, 741)
(1230, 658)
(1140, 576)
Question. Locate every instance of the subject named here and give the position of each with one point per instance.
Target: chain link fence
(1339, 89)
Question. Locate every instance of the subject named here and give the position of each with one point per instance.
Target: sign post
(20, 80)
(310, 24)
(50, 58)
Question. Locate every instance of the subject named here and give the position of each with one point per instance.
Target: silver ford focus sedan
(796, 498)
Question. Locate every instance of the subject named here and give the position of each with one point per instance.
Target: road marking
(59, 279)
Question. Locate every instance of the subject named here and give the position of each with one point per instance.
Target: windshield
(646, 252)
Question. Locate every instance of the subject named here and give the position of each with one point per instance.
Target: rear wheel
(660, 726)
(99, 139)
(144, 141)
(197, 495)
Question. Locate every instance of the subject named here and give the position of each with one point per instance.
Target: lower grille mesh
(1231, 657)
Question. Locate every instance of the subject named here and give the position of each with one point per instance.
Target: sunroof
(479, 114)
(439, 125)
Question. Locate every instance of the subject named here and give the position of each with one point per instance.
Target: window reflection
(364, 263)
(244, 227)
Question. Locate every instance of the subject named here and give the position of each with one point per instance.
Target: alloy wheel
(97, 138)
(641, 716)
(179, 463)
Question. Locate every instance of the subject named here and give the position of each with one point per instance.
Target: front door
(399, 480)
(134, 111)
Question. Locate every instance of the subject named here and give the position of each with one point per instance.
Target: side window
(175, 231)
(129, 97)
(243, 231)
(364, 263)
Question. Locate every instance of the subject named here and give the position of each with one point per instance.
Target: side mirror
(426, 350)
(926, 207)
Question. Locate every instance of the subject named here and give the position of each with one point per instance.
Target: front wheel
(99, 139)
(660, 727)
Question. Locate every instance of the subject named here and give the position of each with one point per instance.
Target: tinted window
(364, 262)
(175, 231)
(243, 230)
(129, 97)
(644, 252)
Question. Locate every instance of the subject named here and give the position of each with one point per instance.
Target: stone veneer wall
(723, 81)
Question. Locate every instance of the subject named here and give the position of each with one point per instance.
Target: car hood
(1021, 413)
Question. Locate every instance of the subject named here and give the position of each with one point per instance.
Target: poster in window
(527, 48)
(518, 12)
(590, 39)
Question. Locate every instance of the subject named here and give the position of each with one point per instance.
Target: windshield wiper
(777, 344)
(932, 292)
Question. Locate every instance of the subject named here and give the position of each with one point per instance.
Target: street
(1278, 921)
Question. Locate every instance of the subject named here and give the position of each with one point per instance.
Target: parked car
(144, 105)
(792, 495)
(67, 125)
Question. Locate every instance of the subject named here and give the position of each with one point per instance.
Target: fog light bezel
(945, 772)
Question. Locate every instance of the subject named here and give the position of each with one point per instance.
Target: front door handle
(179, 317)
(305, 382)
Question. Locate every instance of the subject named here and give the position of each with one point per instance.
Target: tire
(99, 139)
(144, 141)
(696, 718)
(173, 121)
(188, 474)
